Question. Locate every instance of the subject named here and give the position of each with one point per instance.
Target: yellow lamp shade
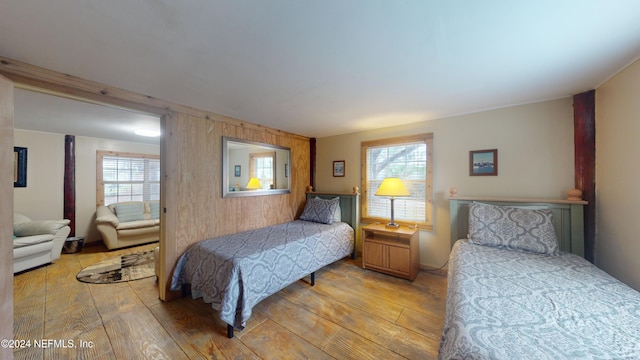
(392, 187)
(254, 184)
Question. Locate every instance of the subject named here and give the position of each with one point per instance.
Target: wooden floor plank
(147, 290)
(271, 341)
(112, 301)
(351, 293)
(394, 337)
(198, 333)
(92, 343)
(349, 345)
(422, 323)
(30, 287)
(378, 285)
(138, 335)
(31, 353)
(312, 328)
(28, 325)
(349, 313)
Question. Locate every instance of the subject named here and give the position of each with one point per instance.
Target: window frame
(100, 154)
(253, 158)
(427, 138)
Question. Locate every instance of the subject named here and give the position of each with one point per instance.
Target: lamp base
(392, 226)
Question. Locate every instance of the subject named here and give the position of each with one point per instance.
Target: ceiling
(327, 67)
(40, 112)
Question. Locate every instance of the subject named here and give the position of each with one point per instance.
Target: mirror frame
(225, 169)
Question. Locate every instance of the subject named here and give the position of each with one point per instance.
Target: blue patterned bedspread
(237, 271)
(505, 304)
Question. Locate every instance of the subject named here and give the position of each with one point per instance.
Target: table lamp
(392, 187)
(254, 184)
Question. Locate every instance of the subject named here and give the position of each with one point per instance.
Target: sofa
(37, 242)
(129, 223)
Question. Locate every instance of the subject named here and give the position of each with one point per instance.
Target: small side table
(391, 251)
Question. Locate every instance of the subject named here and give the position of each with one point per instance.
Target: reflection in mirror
(252, 169)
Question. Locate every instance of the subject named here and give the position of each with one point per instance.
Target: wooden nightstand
(391, 251)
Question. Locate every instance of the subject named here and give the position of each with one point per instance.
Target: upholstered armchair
(37, 242)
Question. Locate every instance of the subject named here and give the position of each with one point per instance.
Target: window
(410, 159)
(261, 166)
(127, 177)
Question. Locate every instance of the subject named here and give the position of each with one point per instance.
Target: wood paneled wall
(195, 197)
(191, 157)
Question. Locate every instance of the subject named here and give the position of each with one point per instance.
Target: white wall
(617, 249)
(43, 196)
(535, 160)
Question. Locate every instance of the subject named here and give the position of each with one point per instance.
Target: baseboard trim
(442, 271)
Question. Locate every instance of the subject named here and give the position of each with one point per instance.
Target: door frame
(6, 214)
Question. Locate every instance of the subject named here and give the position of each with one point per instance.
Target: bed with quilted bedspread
(237, 271)
(512, 294)
(508, 304)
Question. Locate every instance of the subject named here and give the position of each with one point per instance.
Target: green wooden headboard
(350, 210)
(568, 218)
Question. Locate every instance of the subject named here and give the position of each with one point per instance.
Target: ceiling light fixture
(147, 132)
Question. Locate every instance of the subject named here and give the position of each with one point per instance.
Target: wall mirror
(254, 169)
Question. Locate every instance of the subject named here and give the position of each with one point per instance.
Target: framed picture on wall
(236, 171)
(483, 162)
(19, 166)
(338, 168)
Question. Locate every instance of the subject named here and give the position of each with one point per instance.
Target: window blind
(130, 179)
(407, 161)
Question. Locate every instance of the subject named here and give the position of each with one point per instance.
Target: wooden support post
(312, 163)
(584, 124)
(70, 182)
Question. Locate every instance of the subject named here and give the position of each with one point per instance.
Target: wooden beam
(312, 163)
(70, 182)
(584, 122)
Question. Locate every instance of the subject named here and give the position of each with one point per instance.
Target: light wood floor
(349, 313)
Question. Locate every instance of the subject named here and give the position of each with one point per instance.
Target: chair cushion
(137, 224)
(39, 227)
(31, 240)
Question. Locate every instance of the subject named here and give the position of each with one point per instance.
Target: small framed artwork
(286, 170)
(338, 168)
(483, 162)
(19, 166)
(236, 171)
